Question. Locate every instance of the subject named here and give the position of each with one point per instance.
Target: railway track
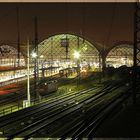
(35, 119)
(6, 120)
(17, 97)
(87, 127)
(36, 108)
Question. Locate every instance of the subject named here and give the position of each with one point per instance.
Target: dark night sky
(105, 23)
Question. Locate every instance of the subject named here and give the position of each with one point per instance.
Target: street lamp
(35, 57)
(76, 54)
(27, 102)
(38, 62)
(77, 57)
(34, 54)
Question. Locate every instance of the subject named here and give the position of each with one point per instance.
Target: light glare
(34, 55)
(76, 54)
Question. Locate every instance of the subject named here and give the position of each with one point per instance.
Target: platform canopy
(64, 50)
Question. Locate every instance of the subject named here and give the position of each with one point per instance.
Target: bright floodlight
(76, 54)
(34, 55)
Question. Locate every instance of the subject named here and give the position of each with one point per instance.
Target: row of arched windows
(58, 51)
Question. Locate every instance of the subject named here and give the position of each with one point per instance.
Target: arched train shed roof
(102, 24)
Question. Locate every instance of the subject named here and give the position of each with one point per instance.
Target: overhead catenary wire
(83, 21)
(18, 37)
(13, 12)
(66, 15)
(107, 39)
(66, 29)
(4, 16)
(110, 30)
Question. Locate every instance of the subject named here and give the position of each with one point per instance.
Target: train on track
(67, 71)
(48, 87)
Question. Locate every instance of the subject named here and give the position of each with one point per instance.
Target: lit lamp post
(35, 59)
(77, 57)
(38, 63)
(40, 60)
(27, 102)
(34, 55)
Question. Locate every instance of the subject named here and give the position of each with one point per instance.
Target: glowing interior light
(76, 55)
